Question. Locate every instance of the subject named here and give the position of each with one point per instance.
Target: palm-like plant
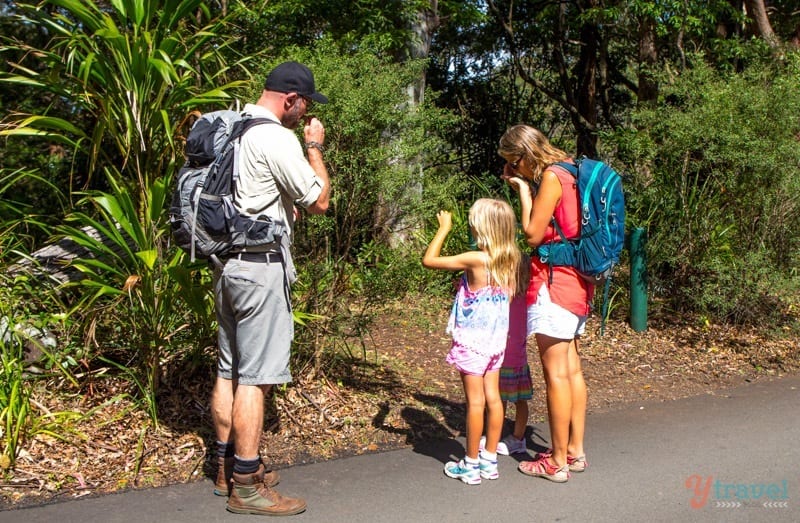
(129, 71)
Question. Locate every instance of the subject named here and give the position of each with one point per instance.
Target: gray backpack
(205, 223)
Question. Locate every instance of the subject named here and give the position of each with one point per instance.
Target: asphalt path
(729, 456)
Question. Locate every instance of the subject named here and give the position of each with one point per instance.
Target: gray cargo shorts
(255, 322)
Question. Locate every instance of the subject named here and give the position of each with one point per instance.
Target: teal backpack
(596, 251)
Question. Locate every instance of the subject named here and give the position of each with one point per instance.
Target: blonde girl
(557, 298)
(478, 325)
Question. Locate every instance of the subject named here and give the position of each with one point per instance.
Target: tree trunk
(578, 90)
(393, 225)
(758, 13)
(648, 58)
(586, 96)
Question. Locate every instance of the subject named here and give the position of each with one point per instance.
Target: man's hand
(314, 131)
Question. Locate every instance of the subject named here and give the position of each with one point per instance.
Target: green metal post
(638, 239)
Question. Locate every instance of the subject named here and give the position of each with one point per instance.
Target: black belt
(271, 257)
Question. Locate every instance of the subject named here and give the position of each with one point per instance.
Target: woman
(558, 297)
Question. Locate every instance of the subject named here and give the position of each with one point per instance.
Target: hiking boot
(466, 472)
(222, 487)
(250, 495)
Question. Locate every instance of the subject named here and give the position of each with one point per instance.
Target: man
(251, 290)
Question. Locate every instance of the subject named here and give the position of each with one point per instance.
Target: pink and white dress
(478, 324)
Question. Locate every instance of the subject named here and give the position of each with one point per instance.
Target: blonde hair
(494, 228)
(533, 145)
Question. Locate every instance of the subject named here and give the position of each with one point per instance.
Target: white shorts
(545, 317)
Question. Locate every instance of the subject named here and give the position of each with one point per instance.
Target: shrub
(715, 176)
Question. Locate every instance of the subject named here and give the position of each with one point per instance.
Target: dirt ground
(396, 392)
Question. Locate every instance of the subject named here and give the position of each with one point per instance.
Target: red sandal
(543, 468)
(576, 464)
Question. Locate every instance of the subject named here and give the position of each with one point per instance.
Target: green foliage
(383, 28)
(15, 407)
(30, 303)
(715, 178)
(128, 272)
(21, 417)
(130, 71)
(18, 229)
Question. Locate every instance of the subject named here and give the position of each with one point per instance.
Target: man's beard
(291, 119)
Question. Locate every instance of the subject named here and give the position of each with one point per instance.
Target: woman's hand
(520, 186)
(517, 183)
(509, 172)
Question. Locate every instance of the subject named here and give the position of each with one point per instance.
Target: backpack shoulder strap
(248, 122)
(226, 161)
(571, 168)
(252, 121)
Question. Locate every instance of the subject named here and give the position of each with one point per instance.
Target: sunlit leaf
(148, 257)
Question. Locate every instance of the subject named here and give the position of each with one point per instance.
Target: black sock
(246, 466)
(225, 449)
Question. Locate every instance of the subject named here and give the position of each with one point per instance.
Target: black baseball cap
(293, 77)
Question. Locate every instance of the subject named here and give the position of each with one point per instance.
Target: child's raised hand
(445, 219)
(432, 260)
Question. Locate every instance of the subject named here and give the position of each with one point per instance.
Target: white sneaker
(507, 446)
(488, 467)
(511, 445)
(466, 472)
